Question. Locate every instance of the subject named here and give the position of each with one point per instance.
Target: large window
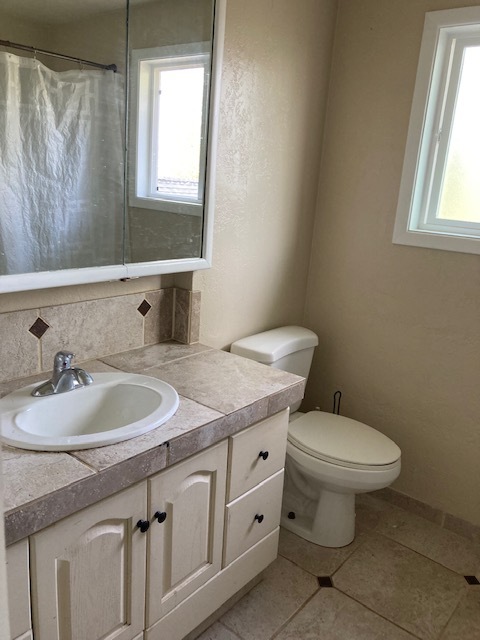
(171, 102)
(439, 201)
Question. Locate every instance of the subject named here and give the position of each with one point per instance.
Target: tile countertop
(220, 394)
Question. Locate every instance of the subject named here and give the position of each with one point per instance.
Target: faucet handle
(62, 360)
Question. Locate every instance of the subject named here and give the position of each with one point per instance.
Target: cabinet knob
(263, 455)
(259, 518)
(161, 516)
(143, 525)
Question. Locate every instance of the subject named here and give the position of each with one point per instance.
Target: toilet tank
(286, 348)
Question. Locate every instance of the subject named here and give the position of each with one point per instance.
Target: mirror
(107, 147)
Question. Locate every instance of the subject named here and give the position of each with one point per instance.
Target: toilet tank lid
(269, 346)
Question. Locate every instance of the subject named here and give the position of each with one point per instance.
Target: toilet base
(328, 521)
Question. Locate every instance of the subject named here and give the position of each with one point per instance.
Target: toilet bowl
(330, 458)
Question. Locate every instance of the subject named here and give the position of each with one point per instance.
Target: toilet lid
(338, 439)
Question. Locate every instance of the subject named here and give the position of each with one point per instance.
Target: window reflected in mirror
(170, 72)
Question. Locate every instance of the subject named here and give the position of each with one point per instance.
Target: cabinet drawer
(247, 466)
(18, 589)
(245, 524)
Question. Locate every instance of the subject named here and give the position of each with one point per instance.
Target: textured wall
(398, 326)
(276, 65)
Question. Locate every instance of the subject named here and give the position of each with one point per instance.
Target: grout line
(419, 553)
(442, 632)
(102, 359)
(40, 346)
(443, 517)
(287, 622)
(226, 625)
(360, 545)
(228, 629)
(362, 604)
(85, 464)
(174, 307)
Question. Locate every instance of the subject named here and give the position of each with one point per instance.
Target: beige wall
(276, 65)
(399, 326)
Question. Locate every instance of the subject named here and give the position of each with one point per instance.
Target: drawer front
(252, 516)
(247, 466)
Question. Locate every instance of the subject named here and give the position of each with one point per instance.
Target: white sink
(116, 407)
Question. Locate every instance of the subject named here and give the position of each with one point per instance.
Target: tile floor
(403, 578)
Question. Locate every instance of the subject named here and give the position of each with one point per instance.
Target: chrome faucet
(64, 378)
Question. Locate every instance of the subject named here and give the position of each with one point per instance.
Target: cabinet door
(185, 550)
(18, 589)
(88, 572)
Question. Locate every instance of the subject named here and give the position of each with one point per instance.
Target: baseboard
(424, 510)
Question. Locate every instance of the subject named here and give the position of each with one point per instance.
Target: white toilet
(329, 458)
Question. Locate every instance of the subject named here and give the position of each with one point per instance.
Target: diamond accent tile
(325, 581)
(39, 327)
(144, 308)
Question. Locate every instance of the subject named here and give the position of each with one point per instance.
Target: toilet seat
(342, 441)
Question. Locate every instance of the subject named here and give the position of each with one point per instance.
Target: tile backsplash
(91, 329)
(187, 316)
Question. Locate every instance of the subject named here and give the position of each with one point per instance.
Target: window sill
(443, 241)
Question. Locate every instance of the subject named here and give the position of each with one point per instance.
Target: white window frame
(445, 35)
(144, 96)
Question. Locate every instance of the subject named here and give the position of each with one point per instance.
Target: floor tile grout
(464, 595)
(230, 630)
(405, 546)
(287, 622)
(365, 606)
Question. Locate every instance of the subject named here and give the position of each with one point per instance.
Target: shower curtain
(61, 167)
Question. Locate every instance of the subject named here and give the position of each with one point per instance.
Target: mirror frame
(64, 277)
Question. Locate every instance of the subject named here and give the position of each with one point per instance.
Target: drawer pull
(143, 525)
(161, 516)
(263, 455)
(259, 518)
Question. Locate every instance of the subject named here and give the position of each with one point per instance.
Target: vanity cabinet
(155, 560)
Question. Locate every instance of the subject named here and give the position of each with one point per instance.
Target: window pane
(179, 132)
(460, 198)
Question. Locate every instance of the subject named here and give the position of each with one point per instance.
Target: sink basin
(116, 407)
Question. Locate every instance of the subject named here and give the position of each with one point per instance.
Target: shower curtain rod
(24, 47)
